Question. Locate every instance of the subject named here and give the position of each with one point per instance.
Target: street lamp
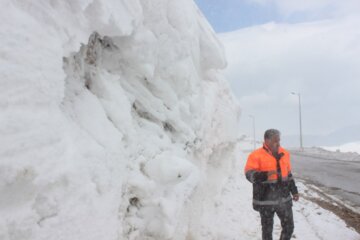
(301, 142)
(253, 118)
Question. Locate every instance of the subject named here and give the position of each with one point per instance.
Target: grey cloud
(321, 60)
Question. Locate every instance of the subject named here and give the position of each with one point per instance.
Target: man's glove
(260, 177)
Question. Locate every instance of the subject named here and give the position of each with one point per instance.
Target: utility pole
(253, 122)
(301, 140)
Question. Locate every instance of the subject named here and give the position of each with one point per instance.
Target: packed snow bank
(129, 137)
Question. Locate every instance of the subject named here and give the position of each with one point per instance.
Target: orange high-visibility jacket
(271, 177)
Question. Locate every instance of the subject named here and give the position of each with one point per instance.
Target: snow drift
(129, 136)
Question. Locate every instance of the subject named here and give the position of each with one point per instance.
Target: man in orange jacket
(269, 170)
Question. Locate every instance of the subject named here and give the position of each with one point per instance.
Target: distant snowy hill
(338, 137)
(345, 135)
(345, 148)
(129, 136)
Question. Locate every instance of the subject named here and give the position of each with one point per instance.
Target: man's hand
(296, 197)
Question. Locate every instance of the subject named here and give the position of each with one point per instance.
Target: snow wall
(130, 135)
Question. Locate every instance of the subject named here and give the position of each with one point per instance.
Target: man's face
(273, 143)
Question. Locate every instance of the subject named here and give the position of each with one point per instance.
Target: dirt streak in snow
(351, 217)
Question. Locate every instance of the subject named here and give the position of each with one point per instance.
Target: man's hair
(270, 133)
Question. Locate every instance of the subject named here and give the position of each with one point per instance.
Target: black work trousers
(284, 212)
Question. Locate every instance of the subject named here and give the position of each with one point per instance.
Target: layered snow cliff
(129, 136)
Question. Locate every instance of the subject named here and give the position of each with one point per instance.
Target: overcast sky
(275, 47)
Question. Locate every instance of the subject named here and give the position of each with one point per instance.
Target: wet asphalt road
(341, 178)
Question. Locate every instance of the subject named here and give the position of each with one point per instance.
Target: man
(269, 170)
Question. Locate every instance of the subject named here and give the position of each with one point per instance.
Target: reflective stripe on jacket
(271, 177)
